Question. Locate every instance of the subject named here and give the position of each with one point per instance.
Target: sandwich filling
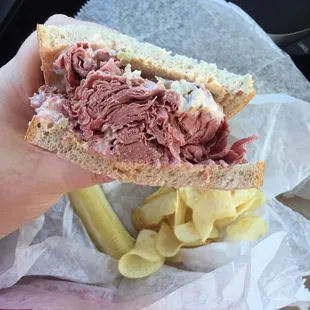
(120, 114)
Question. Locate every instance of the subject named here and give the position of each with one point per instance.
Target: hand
(31, 179)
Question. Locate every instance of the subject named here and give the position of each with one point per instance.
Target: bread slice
(234, 177)
(230, 90)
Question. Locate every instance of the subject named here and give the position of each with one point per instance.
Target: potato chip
(220, 223)
(208, 205)
(203, 224)
(212, 203)
(167, 244)
(178, 217)
(135, 267)
(153, 227)
(161, 191)
(242, 195)
(196, 216)
(195, 244)
(258, 200)
(182, 193)
(180, 211)
(186, 232)
(189, 215)
(145, 246)
(249, 227)
(176, 259)
(143, 260)
(170, 220)
(155, 210)
(251, 204)
(244, 207)
(214, 233)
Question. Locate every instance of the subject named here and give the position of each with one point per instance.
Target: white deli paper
(262, 274)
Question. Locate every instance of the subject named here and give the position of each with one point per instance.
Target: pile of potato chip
(173, 218)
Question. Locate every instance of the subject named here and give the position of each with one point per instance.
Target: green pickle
(101, 222)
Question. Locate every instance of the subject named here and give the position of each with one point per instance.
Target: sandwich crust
(58, 140)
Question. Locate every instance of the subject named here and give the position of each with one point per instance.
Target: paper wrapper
(262, 274)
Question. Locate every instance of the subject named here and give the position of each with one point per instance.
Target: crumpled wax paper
(262, 274)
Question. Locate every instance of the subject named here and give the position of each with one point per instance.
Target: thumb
(76, 177)
(66, 176)
(80, 178)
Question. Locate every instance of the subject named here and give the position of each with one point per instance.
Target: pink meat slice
(136, 120)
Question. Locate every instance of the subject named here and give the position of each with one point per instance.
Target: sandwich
(137, 113)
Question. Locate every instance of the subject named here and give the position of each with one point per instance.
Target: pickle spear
(101, 222)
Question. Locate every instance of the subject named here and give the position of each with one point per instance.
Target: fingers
(24, 71)
(80, 178)
(72, 176)
(60, 19)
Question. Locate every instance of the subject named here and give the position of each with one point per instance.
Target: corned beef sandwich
(136, 113)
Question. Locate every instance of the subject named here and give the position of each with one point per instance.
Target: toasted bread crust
(183, 175)
(53, 40)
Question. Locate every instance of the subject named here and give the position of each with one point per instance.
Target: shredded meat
(137, 120)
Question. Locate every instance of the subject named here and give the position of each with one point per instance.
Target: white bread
(215, 177)
(53, 40)
(230, 90)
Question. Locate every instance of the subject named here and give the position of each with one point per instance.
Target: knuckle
(56, 19)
